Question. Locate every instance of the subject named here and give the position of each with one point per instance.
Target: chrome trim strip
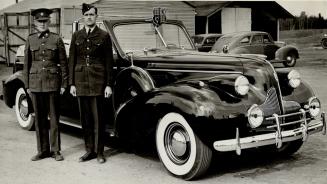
(70, 124)
(290, 123)
(195, 71)
(286, 115)
(266, 139)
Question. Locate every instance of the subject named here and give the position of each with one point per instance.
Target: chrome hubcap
(23, 107)
(177, 143)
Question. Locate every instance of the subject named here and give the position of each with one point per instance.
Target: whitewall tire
(24, 117)
(179, 149)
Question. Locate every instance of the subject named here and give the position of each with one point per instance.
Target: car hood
(189, 60)
(192, 66)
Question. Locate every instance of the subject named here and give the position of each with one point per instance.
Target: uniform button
(88, 48)
(43, 60)
(43, 52)
(43, 68)
(87, 56)
(87, 64)
(42, 43)
(87, 40)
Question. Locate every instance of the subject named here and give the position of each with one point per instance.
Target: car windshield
(144, 36)
(218, 46)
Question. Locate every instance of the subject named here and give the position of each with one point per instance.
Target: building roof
(202, 8)
(27, 5)
(208, 8)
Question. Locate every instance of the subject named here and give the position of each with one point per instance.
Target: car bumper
(278, 137)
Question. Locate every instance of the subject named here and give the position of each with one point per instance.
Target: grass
(303, 38)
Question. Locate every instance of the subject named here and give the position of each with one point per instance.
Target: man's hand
(107, 92)
(62, 90)
(73, 90)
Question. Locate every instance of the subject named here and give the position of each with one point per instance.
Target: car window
(266, 39)
(257, 39)
(210, 40)
(245, 40)
(197, 39)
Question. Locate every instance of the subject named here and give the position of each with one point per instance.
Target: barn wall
(143, 9)
(235, 19)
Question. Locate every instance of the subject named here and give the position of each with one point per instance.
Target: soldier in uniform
(90, 78)
(46, 75)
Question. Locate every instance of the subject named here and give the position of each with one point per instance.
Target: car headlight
(255, 116)
(314, 106)
(294, 79)
(242, 85)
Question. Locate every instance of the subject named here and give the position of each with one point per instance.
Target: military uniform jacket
(45, 63)
(90, 62)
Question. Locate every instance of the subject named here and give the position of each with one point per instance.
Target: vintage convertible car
(204, 42)
(256, 42)
(191, 103)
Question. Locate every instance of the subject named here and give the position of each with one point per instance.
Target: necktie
(88, 33)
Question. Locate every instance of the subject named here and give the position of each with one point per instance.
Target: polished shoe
(87, 156)
(57, 156)
(40, 156)
(101, 159)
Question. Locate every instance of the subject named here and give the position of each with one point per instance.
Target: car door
(269, 47)
(256, 44)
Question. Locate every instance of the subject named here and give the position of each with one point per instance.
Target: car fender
(122, 82)
(10, 87)
(283, 52)
(301, 94)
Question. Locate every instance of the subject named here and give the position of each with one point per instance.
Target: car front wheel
(180, 150)
(24, 117)
(290, 60)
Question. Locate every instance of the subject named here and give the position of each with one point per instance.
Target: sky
(311, 7)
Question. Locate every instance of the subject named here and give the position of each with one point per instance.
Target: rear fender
(10, 87)
(283, 52)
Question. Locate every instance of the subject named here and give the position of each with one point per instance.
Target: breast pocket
(35, 51)
(51, 51)
(97, 44)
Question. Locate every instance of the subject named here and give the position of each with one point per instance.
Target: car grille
(271, 106)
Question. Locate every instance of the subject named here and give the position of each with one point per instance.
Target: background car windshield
(136, 37)
(197, 39)
(221, 42)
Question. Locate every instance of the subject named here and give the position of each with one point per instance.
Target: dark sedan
(204, 42)
(256, 42)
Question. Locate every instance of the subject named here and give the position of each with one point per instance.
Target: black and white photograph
(140, 91)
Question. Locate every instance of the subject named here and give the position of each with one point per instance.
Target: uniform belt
(89, 61)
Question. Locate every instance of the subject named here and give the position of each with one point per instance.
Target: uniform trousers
(46, 104)
(91, 116)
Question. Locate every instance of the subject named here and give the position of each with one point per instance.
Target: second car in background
(204, 42)
(256, 42)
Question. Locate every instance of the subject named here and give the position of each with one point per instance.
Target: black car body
(191, 103)
(257, 42)
(204, 42)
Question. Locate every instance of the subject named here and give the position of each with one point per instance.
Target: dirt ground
(308, 166)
